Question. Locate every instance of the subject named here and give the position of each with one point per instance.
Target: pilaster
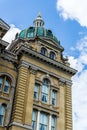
(68, 106)
(19, 100)
(62, 106)
(29, 96)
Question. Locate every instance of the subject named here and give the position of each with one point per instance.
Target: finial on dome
(39, 14)
(38, 22)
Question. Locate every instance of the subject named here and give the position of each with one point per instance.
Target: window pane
(1, 120)
(53, 97)
(36, 91)
(34, 117)
(2, 113)
(43, 118)
(43, 121)
(53, 123)
(6, 86)
(2, 110)
(52, 55)
(44, 97)
(45, 90)
(43, 51)
(1, 82)
(43, 127)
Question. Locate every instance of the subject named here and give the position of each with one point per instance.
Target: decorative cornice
(46, 59)
(62, 79)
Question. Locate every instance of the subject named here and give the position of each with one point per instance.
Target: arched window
(45, 90)
(52, 55)
(4, 84)
(2, 114)
(43, 51)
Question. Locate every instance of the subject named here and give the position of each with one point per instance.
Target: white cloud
(10, 35)
(73, 9)
(79, 88)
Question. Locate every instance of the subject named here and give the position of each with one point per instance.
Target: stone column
(61, 106)
(29, 97)
(68, 106)
(17, 119)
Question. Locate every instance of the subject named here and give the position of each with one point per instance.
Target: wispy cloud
(10, 35)
(73, 9)
(79, 87)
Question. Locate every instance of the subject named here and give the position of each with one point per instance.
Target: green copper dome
(37, 30)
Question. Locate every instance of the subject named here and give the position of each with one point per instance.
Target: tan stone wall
(7, 69)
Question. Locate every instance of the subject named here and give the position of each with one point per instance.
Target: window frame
(34, 121)
(43, 51)
(53, 125)
(54, 98)
(5, 81)
(3, 106)
(37, 93)
(44, 119)
(52, 55)
(43, 93)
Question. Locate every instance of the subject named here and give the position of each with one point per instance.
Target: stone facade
(24, 66)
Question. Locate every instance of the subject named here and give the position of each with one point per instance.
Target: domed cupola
(37, 30)
(38, 22)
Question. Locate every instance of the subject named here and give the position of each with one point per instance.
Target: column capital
(68, 83)
(33, 70)
(61, 82)
(24, 64)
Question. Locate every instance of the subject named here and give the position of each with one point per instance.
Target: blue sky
(68, 21)
(22, 14)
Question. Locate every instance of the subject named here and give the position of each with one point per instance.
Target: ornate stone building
(35, 81)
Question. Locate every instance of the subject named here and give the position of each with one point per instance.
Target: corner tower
(42, 96)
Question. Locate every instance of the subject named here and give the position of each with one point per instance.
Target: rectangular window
(53, 123)
(54, 97)
(36, 91)
(45, 91)
(34, 118)
(43, 121)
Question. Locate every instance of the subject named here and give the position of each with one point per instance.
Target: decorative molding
(3, 97)
(28, 127)
(47, 72)
(33, 70)
(69, 83)
(47, 59)
(25, 64)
